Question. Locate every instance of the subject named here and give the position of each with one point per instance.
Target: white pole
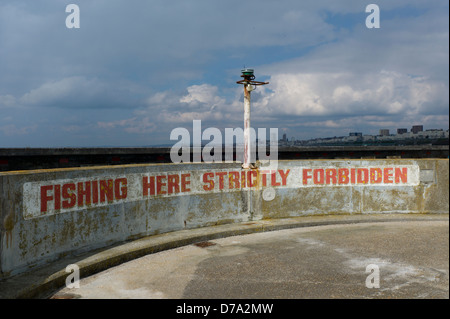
(247, 141)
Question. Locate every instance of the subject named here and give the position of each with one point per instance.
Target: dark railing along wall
(12, 159)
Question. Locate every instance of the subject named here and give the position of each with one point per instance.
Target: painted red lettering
(243, 179)
(376, 176)
(273, 179)
(362, 175)
(209, 182)
(284, 176)
(343, 176)
(221, 179)
(264, 177)
(185, 182)
(106, 191)
(45, 197)
(68, 194)
(57, 197)
(330, 175)
(318, 176)
(148, 185)
(120, 192)
(353, 175)
(233, 179)
(252, 182)
(160, 184)
(95, 192)
(84, 193)
(401, 174)
(306, 176)
(173, 184)
(387, 175)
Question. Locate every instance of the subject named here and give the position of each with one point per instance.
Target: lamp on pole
(249, 85)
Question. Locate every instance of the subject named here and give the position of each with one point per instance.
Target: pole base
(249, 166)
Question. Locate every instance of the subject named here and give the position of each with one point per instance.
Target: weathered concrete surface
(33, 235)
(27, 243)
(45, 280)
(428, 196)
(314, 262)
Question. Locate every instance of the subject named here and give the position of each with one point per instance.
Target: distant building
(416, 129)
(417, 136)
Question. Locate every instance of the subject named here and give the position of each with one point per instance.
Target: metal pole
(247, 140)
(249, 84)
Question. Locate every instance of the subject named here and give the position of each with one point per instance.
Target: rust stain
(8, 224)
(204, 244)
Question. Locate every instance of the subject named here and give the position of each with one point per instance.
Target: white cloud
(56, 90)
(322, 94)
(344, 101)
(202, 94)
(79, 92)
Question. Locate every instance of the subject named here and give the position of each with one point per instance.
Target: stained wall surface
(48, 214)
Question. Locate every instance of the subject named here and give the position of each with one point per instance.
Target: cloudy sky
(135, 70)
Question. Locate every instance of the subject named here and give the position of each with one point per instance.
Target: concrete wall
(48, 214)
(426, 192)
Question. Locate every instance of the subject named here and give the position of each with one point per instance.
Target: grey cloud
(79, 92)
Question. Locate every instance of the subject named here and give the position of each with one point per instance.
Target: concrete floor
(313, 262)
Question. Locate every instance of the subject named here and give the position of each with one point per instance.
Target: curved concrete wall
(48, 214)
